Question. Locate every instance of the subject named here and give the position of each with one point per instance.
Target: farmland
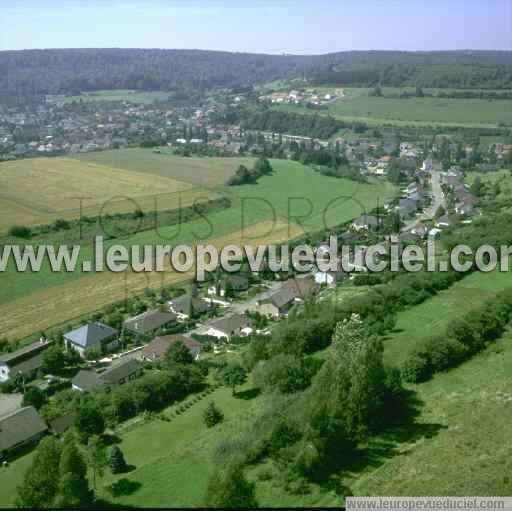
(41, 190)
(198, 171)
(278, 208)
(357, 105)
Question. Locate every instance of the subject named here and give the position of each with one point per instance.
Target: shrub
(116, 460)
(20, 231)
(212, 415)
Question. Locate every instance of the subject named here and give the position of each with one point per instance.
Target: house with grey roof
(25, 360)
(278, 304)
(187, 305)
(92, 335)
(406, 207)
(149, 321)
(228, 326)
(19, 429)
(117, 374)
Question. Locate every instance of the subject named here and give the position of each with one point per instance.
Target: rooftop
(20, 426)
(90, 335)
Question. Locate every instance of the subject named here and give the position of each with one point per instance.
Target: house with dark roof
(117, 374)
(447, 221)
(187, 305)
(20, 429)
(278, 304)
(26, 360)
(228, 326)
(157, 348)
(406, 207)
(92, 335)
(61, 424)
(149, 321)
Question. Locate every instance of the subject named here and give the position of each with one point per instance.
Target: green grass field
(358, 106)
(432, 316)
(115, 95)
(459, 443)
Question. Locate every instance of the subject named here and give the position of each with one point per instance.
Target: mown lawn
(173, 460)
(11, 477)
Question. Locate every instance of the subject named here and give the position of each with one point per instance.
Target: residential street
(437, 200)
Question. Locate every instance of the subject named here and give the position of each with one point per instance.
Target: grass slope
(462, 441)
(433, 316)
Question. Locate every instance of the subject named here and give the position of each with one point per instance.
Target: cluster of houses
(413, 200)
(307, 96)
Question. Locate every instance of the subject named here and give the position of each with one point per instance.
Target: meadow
(357, 105)
(280, 207)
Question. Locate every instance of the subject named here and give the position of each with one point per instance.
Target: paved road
(437, 200)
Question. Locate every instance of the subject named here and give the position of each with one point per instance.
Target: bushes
(461, 340)
(245, 176)
(20, 231)
(212, 415)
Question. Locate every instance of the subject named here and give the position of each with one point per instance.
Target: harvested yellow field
(40, 190)
(59, 304)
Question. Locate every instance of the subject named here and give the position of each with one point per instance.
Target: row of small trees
(462, 339)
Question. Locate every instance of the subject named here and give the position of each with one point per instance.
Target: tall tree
(40, 482)
(73, 485)
(116, 460)
(53, 360)
(230, 489)
(234, 375)
(96, 457)
(178, 353)
(89, 421)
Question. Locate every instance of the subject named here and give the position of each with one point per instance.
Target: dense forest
(450, 69)
(34, 73)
